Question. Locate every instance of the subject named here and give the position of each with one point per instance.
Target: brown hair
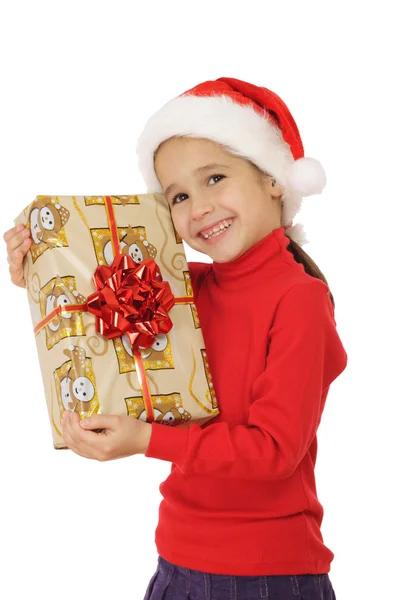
(309, 265)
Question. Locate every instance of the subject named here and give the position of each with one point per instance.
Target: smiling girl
(240, 517)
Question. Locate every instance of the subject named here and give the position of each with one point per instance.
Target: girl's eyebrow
(199, 170)
(210, 166)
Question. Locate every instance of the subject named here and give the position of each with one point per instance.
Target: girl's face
(221, 204)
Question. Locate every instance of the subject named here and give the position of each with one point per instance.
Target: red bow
(131, 299)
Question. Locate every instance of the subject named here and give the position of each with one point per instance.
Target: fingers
(17, 238)
(80, 441)
(99, 423)
(18, 242)
(69, 433)
(12, 232)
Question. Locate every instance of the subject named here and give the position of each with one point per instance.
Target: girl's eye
(215, 177)
(177, 199)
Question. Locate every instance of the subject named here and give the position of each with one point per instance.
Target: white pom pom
(307, 176)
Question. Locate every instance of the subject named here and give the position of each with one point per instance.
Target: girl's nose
(200, 206)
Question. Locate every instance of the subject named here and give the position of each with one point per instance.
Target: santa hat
(253, 123)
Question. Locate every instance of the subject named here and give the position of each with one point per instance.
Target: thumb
(98, 422)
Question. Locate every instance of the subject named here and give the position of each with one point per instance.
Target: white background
(78, 81)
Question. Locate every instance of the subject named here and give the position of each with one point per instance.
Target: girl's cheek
(178, 226)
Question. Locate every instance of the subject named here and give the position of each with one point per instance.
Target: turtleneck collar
(260, 262)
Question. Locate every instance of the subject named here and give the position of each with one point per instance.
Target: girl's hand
(18, 242)
(123, 436)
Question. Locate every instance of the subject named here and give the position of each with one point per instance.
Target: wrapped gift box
(79, 242)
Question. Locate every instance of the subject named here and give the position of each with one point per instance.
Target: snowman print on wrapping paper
(77, 390)
(60, 291)
(46, 221)
(154, 352)
(132, 244)
(157, 356)
(167, 409)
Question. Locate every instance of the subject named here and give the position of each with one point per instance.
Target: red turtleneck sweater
(241, 496)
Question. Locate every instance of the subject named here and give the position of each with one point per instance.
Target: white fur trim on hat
(245, 132)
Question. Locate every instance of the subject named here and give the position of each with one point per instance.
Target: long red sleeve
(241, 496)
(305, 355)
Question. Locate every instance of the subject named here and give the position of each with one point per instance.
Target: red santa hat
(251, 122)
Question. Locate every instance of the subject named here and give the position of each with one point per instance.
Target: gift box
(113, 312)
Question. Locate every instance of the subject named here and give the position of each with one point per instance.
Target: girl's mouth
(216, 231)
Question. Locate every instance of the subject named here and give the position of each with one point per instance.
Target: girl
(240, 518)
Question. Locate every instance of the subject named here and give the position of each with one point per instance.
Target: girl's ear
(273, 187)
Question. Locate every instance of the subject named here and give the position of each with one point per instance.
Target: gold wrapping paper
(81, 369)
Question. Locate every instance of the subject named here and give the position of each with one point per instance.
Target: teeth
(218, 229)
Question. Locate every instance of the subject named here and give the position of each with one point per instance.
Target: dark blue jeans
(171, 582)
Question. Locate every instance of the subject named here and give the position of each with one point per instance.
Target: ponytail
(309, 265)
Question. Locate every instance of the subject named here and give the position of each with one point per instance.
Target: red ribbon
(131, 299)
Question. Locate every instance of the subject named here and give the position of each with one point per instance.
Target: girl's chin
(224, 254)
(220, 252)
